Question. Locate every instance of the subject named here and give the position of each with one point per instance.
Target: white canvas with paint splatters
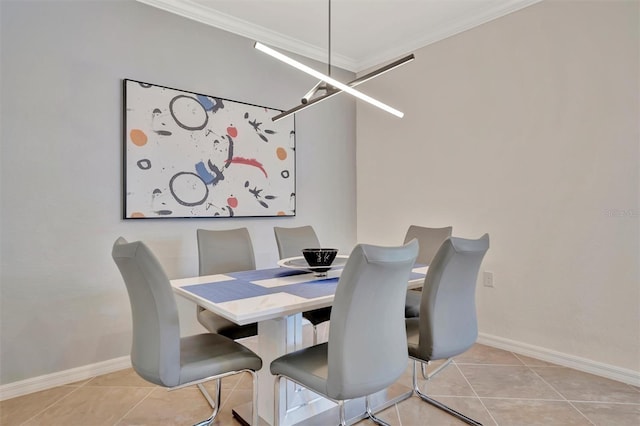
(195, 155)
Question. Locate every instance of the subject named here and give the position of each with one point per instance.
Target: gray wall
(63, 304)
(527, 128)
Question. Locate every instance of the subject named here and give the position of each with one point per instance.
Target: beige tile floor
(493, 386)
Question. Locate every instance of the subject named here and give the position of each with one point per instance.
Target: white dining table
(275, 298)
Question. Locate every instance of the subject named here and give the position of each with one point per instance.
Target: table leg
(275, 338)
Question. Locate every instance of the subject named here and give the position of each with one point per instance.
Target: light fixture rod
(354, 83)
(390, 66)
(329, 44)
(303, 106)
(283, 58)
(313, 91)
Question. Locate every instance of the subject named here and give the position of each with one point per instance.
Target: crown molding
(447, 30)
(194, 11)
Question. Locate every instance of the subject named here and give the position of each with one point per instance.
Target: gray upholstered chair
(290, 242)
(366, 351)
(430, 240)
(447, 325)
(220, 252)
(158, 354)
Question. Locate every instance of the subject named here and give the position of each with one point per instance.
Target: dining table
(275, 298)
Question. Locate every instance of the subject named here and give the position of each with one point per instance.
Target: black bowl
(320, 259)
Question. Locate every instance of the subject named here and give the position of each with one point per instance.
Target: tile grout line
(579, 401)
(476, 393)
(53, 403)
(543, 380)
(135, 405)
(233, 389)
(512, 398)
(508, 398)
(398, 412)
(559, 393)
(505, 365)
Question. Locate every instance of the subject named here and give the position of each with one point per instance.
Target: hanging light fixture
(330, 85)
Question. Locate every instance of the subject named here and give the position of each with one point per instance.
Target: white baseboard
(35, 384)
(588, 366)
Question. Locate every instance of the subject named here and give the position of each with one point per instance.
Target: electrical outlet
(487, 279)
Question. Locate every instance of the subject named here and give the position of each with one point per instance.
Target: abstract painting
(193, 155)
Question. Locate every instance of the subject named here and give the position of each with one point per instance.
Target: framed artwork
(193, 155)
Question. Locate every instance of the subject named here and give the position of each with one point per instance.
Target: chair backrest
(155, 351)
(291, 241)
(448, 322)
(222, 251)
(430, 240)
(367, 339)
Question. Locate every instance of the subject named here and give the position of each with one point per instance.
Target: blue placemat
(236, 289)
(242, 288)
(225, 291)
(265, 274)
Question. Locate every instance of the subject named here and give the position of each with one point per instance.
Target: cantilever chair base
(372, 416)
(344, 421)
(216, 404)
(432, 401)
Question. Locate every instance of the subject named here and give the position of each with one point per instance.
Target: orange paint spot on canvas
(281, 214)
(232, 131)
(233, 202)
(137, 214)
(281, 153)
(138, 137)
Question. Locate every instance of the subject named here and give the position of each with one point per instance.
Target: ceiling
(364, 33)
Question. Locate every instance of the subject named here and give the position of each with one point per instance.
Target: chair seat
(205, 355)
(307, 366)
(318, 316)
(412, 304)
(217, 324)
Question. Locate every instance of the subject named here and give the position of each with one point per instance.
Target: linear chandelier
(330, 85)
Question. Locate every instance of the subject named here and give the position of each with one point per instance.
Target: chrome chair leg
(206, 422)
(372, 416)
(424, 365)
(343, 421)
(215, 405)
(254, 408)
(276, 401)
(437, 404)
(206, 395)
